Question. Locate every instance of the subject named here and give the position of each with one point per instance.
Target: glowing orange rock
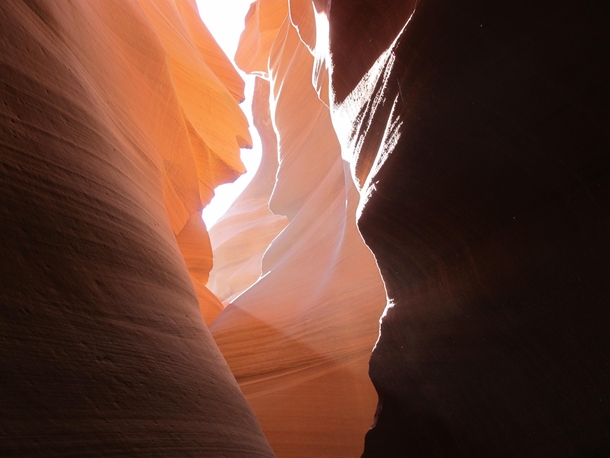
(262, 24)
(215, 124)
(114, 131)
(194, 243)
(244, 232)
(299, 340)
(210, 51)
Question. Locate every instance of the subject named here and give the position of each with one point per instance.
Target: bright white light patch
(225, 19)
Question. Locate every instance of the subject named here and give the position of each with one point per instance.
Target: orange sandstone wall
(206, 86)
(299, 340)
(117, 120)
(241, 236)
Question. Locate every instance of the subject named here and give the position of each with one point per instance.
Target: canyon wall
(241, 236)
(299, 340)
(118, 118)
(478, 136)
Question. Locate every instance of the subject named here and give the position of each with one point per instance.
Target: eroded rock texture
(241, 236)
(480, 143)
(117, 120)
(299, 340)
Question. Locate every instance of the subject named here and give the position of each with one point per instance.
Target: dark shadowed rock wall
(481, 143)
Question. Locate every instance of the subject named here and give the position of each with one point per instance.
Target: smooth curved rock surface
(115, 126)
(241, 236)
(263, 20)
(299, 340)
(480, 144)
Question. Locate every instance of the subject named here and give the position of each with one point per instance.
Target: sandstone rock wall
(476, 134)
(479, 141)
(117, 120)
(241, 236)
(299, 340)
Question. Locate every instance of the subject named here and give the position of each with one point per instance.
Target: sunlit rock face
(299, 340)
(240, 238)
(117, 120)
(479, 141)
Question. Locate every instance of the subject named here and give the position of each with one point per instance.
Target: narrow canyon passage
(419, 267)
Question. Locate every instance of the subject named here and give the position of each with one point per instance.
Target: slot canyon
(420, 267)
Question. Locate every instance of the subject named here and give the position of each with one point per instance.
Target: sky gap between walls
(225, 20)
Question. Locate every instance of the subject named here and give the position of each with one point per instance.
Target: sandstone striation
(467, 142)
(299, 340)
(118, 118)
(242, 235)
(478, 137)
